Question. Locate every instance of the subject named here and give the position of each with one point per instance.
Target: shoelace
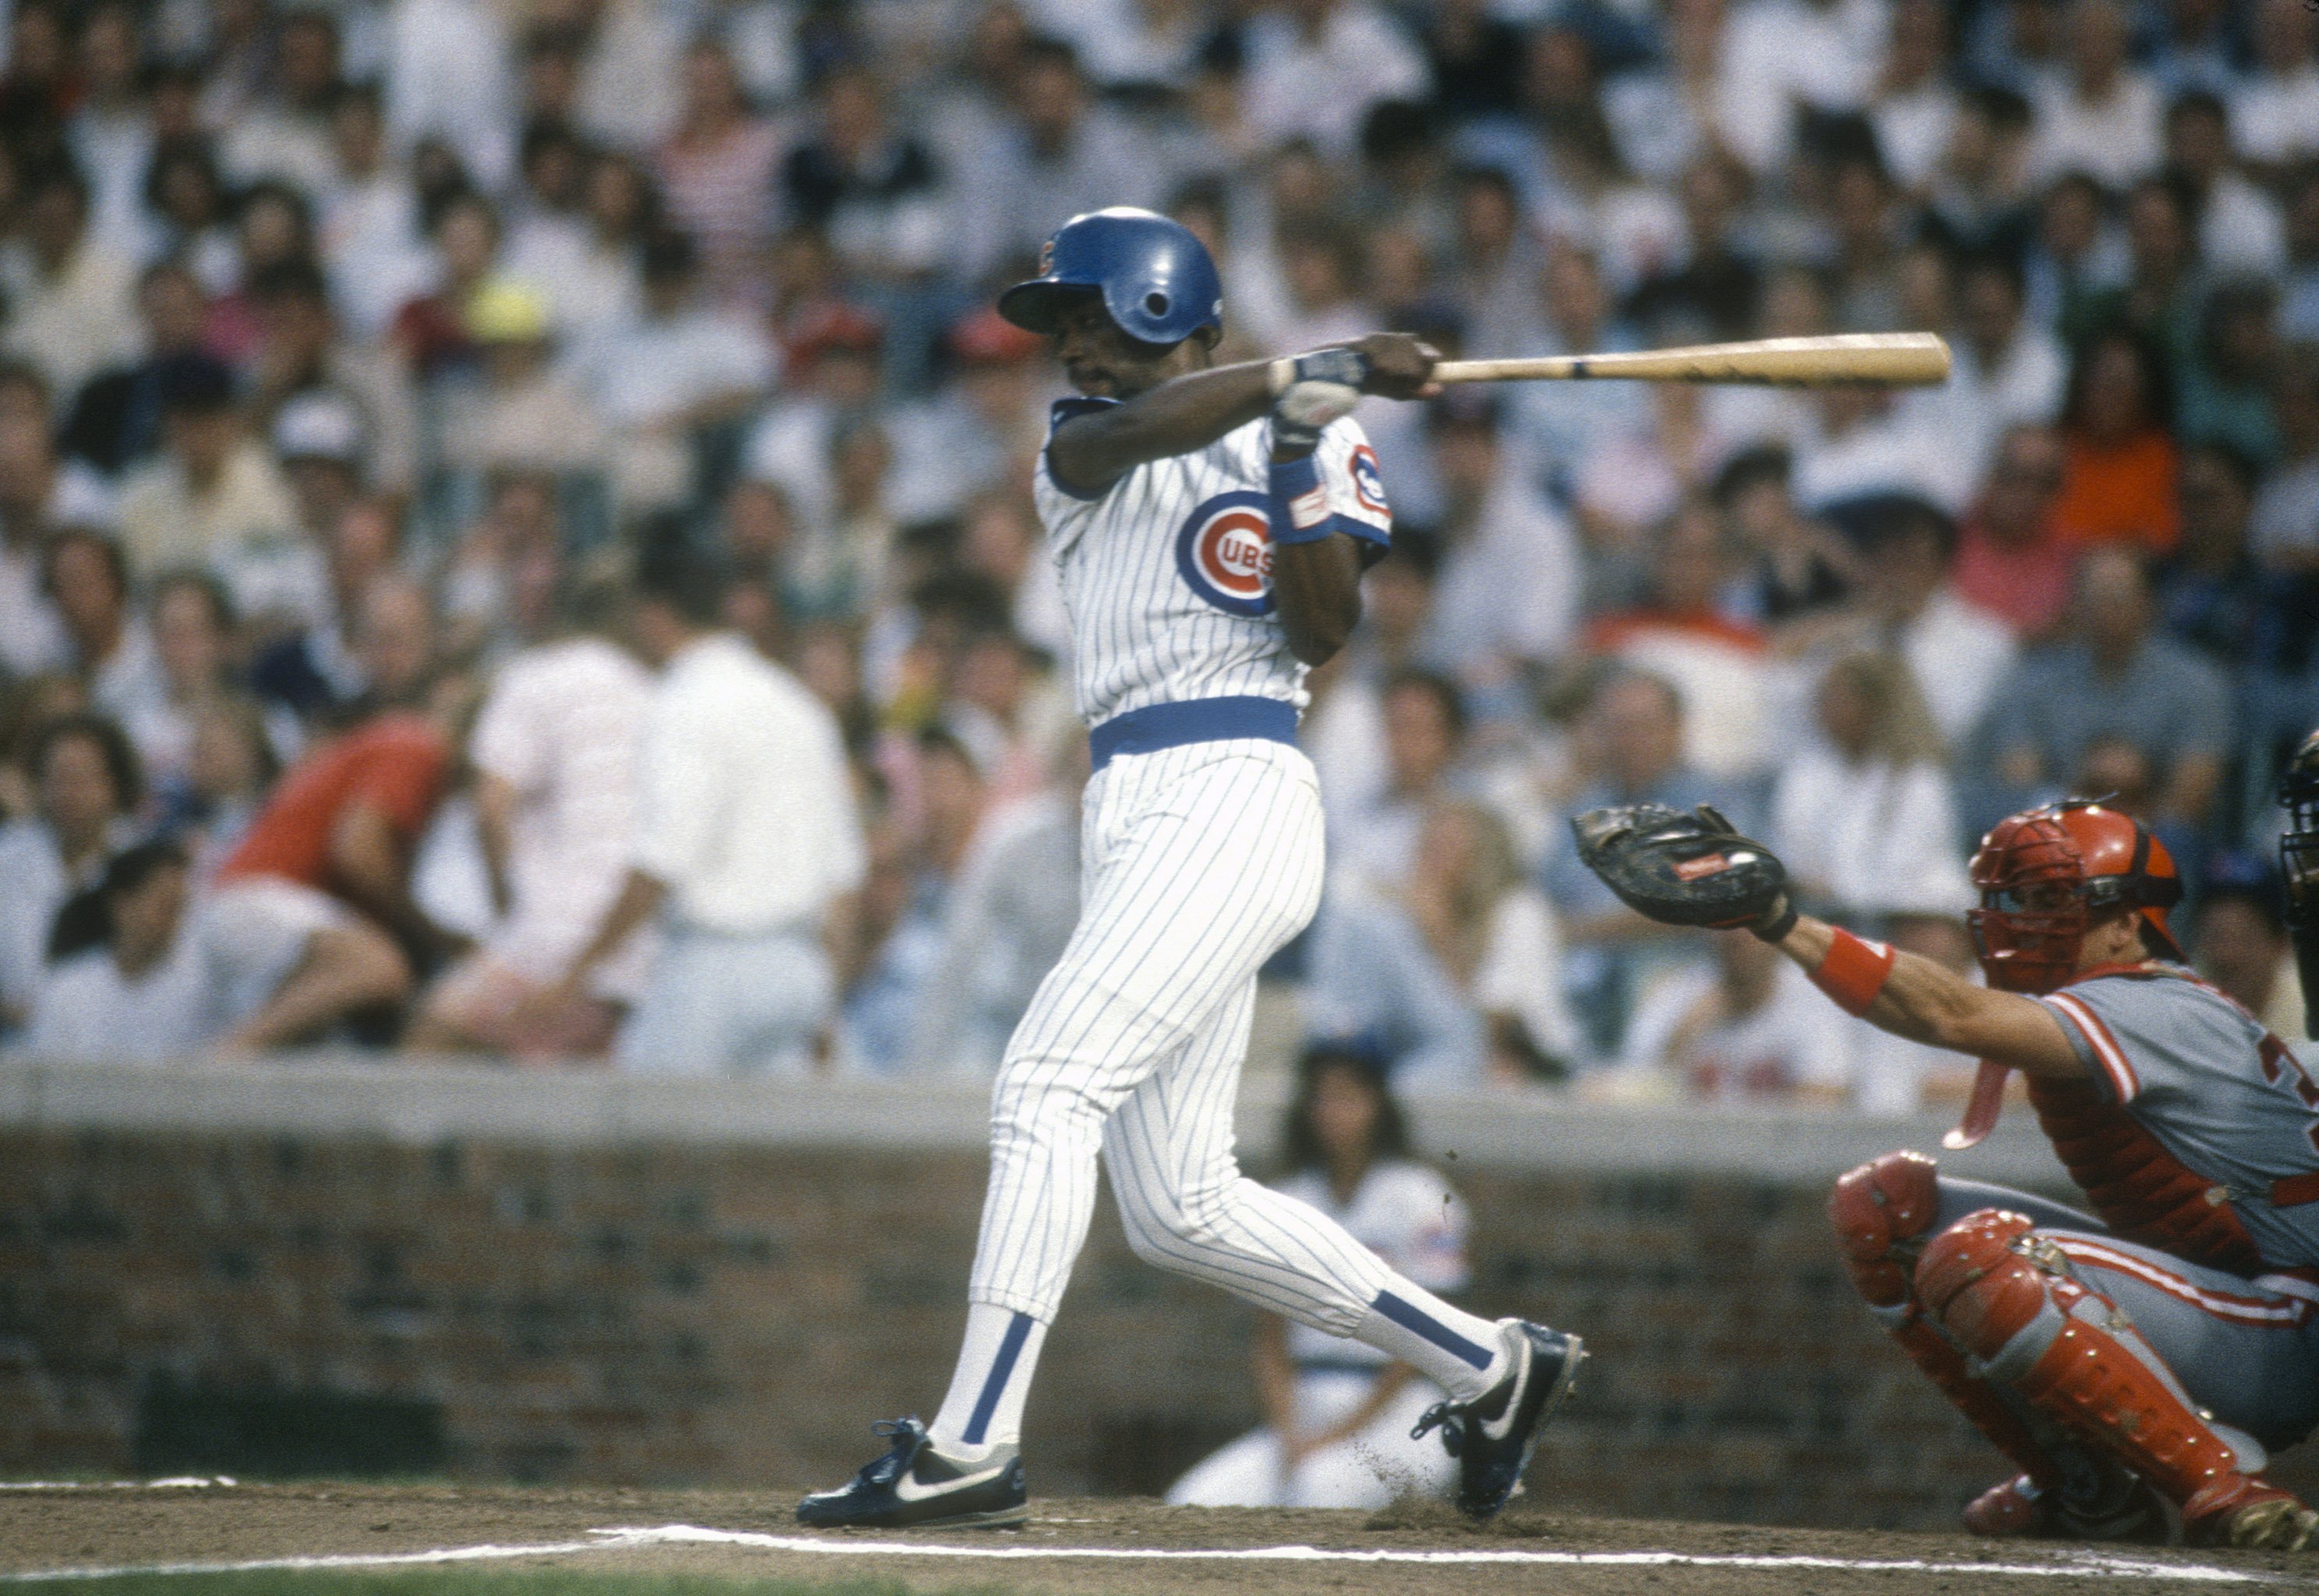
(1449, 1419)
(905, 1434)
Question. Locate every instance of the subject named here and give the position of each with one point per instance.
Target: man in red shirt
(346, 820)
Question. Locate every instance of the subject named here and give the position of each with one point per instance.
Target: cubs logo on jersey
(1369, 482)
(1225, 551)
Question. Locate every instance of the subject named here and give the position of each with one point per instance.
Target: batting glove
(1309, 391)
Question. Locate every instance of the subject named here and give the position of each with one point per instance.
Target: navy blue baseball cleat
(913, 1484)
(1493, 1437)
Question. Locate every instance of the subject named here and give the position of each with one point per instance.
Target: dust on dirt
(110, 1528)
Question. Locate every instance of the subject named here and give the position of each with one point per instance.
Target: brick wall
(680, 1310)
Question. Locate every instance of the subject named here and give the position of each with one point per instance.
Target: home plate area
(61, 1535)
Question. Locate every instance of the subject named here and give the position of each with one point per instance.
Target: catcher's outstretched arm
(1929, 1003)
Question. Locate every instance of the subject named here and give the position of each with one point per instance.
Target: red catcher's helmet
(2044, 874)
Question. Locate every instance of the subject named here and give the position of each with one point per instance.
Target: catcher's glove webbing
(1682, 869)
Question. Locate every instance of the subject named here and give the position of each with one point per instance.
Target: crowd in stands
(515, 532)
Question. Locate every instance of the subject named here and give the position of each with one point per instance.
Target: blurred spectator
(1798, 564)
(286, 134)
(1863, 817)
(1423, 723)
(872, 188)
(116, 419)
(315, 672)
(2114, 676)
(2009, 563)
(528, 416)
(2009, 371)
(717, 170)
(346, 821)
(2239, 941)
(1750, 1027)
(72, 300)
(86, 786)
(2285, 527)
(746, 846)
(368, 232)
(1056, 155)
(2210, 592)
(1981, 200)
(1630, 740)
(2274, 113)
(2100, 115)
(111, 648)
(832, 377)
(1008, 911)
(978, 431)
(1681, 633)
(2117, 483)
(230, 769)
(111, 135)
(429, 332)
(2239, 228)
(1338, 1415)
(676, 368)
(1456, 974)
(1783, 57)
(214, 495)
(31, 632)
(1505, 592)
(553, 752)
(171, 977)
(306, 354)
(2225, 395)
(1316, 67)
(909, 900)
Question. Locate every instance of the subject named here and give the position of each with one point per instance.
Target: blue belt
(1194, 720)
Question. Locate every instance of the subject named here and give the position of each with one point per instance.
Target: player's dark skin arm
(1925, 1002)
(1173, 402)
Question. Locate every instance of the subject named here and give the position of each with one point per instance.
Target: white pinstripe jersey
(1167, 576)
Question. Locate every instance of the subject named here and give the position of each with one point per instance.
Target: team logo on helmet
(1368, 482)
(1225, 551)
(1046, 259)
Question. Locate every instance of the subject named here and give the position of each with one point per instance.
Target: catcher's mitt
(1683, 868)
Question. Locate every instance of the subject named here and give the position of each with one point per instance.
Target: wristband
(1297, 504)
(1855, 971)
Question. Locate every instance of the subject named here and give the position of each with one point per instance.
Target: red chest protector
(2139, 1189)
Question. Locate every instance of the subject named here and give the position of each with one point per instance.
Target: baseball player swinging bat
(1898, 359)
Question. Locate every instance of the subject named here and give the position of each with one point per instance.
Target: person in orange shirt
(340, 830)
(2117, 480)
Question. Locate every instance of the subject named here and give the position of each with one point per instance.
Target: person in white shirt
(1749, 1027)
(2102, 116)
(2275, 112)
(1338, 1413)
(555, 752)
(173, 979)
(747, 846)
(87, 778)
(1863, 817)
(1315, 67)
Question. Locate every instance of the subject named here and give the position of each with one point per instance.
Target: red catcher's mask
(2044, 874)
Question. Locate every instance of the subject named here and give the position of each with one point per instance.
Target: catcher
(2131, 1366)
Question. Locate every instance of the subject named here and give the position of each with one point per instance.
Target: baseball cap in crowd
(834, 327)
(503, 311)
(194, 382)
(318, 426)
(986, 338)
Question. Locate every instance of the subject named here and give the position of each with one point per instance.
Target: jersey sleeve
(2139, 1034)
(1354, 486)
(1060, 411)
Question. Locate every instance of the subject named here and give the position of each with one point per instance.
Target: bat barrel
(1895, 359)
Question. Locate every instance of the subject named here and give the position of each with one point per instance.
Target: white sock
(984, 1409)
(1463, 1355)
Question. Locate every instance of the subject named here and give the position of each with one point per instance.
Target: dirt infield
(1071, 1546)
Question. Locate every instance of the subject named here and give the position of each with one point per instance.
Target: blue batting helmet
(1156, 278)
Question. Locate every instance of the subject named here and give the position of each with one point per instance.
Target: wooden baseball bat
(1899, 358)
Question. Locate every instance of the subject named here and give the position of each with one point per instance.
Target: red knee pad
(1886, 1200)
(1982, 1292)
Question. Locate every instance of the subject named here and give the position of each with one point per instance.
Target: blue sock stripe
(1010, 1348)
(1408, 1317)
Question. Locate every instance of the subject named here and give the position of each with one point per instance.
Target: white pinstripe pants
(1199, 863)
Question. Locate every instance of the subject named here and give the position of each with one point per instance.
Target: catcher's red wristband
(1854, 971)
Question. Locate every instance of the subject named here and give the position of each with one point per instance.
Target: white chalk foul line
(2079, 1565)
(174, 1483)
